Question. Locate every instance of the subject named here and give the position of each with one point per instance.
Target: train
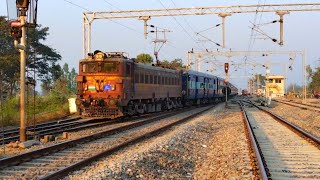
(111, 85)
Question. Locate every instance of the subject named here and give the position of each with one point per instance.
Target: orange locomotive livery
(110, 85)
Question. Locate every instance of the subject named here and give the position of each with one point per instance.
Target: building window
(270, 80)
(278, 80)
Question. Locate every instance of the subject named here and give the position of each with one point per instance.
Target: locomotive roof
(199, 73)
(151, 67)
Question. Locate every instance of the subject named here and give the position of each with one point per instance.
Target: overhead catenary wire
(125, 26)
(179, 24)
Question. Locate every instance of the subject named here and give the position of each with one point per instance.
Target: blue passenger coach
(201, 88)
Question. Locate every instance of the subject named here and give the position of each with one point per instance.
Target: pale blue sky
(65, 23)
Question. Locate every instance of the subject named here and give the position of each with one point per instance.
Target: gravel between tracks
(306, 119)
(212, 146)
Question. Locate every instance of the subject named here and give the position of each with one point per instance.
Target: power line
(175, 19)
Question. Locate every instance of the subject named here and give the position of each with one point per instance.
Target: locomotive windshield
(109, 67)
(90, 67)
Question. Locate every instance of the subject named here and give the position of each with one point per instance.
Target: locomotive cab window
(90, 67)
(109, 67)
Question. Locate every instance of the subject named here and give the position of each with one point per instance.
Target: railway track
(59, 126)
(300, 105)
(58, 160)
(55, 127)
(283, 150)
(39, 129)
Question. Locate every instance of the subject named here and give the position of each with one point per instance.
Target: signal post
(226, 69)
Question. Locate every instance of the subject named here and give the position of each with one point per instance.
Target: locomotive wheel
(131, 110)
(141, 108)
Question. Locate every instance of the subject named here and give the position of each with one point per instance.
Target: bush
(51, 106)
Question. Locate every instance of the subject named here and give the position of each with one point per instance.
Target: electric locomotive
(110, 85)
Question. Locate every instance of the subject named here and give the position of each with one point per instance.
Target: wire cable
(175, 19)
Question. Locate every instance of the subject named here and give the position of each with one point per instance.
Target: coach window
(151, 79)
(159, 79)
(147, 79)
(136, 78)
(141, 78)
(155, 80)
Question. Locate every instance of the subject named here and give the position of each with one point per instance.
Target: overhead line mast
(279, 9)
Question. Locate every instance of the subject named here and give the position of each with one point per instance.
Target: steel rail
(65, 171)
(68, 125)
(39, 126)
(307, 106)
(258, 155)
(46, 129)
(10, 161)
(291, 125)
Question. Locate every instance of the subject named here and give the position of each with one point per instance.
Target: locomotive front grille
(101, 112)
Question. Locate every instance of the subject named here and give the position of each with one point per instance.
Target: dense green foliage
(144, 58)
(175, 64)
(314, 84)
(57, 83)
(39, 56)
(51, 106)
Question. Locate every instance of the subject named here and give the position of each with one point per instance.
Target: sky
(64, 19)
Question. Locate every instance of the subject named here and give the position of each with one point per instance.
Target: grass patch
(45, 108)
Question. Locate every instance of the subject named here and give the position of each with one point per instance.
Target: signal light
(16, 33)
(226, 67)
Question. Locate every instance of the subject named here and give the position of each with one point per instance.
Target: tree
(40, 56)
(315, 80)
(294, 88)
(309, 72)
(175, 64)
(261, 79)
(144, 58)
(70, 77)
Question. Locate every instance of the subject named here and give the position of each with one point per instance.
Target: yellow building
(275, 85)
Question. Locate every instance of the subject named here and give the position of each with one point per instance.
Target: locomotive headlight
(113, 87)
(99, 56)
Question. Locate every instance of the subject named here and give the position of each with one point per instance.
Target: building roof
(275, 77)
